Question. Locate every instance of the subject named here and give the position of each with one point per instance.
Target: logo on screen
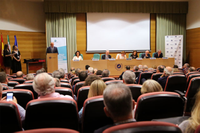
(118, 67)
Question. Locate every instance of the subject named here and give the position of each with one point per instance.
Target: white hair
(167, 72)
(140, 67)
(43, 84)
(1, 88)
(91, 69)
(129, 77)
(29, 76)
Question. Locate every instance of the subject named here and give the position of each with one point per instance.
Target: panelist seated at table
(146, 54)
(134, 54)
(158, 54)
(121, 56)
(106, 55)
(77, 56)
(52, 49)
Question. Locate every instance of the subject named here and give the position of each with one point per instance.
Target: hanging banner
(61, 44)
(174, 48)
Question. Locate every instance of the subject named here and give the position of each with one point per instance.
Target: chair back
(178, 73)
(19, 80)
(12, 83)
(50, 130)
(78, 86)
(10, 119)
(23, 96)
(107, 78)
(156, 76)
(64, 91)
(102, 55)
(113, 82)
(66, 85)
(28, 81)
(51, 112)
(64, 81)
(137, 73)
(96, 56)
(75, 81)
(93, 116)
(190, 77)
(145, 75)
(140, 55)
(193, 72)
(129, 55)
(144, 127)
(5, 87)
(82, 95)
(27, 87)
(135, 90)
(175, 82)
(157, 105)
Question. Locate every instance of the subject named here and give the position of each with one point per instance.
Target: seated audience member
(77, 56)
(82, 75)
(151, 86)
(134, 55)
(135, 68)
(118, 105)
(42, 70)
(158, 54)
(106, 55)
(185, 68)
(129, 77)
(99, 72)
(4, 80)
(154, 67)
(145, 69)
(175, 68)
(127, 68)
(105, 73)
(146, 54)
(29, 76)
(62, 73)
(121, 56)
(56, 74)
(86, 67)
(90, 79)
(19, 74)
(140, 67)
(90, 70)
(95, 71)
(150, 69)
(21, 110)
(160, 69)
(190, 125)
(43, 85)
(162, 80)
(57, 82)
(96, 89)
(191, 69)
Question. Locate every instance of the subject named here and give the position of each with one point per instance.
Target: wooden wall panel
(193, 46)
(81, 36)
(31, 44)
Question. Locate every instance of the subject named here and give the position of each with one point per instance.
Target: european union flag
(15, 41)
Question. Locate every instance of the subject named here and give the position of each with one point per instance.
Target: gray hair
(1, 88)
(29, 76)
(168, 71)
(129, 77)
(43, 84)
(105, 73)
(118, 100)
(57, 82)
(62, 72)
(56, 74)
(140, 67)
(91, 69)
(145, 67)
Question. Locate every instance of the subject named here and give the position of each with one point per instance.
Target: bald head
(168, 71)
(107, 52)
(159, 51)
(147, 52)
(19, 74)
(52, 44)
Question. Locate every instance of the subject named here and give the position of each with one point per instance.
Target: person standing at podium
(52, 49)
(16, 62)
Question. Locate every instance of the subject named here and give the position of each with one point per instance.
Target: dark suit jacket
(133, 56)
(143, 55)
(156, 55)
(55, 50)
(104, 57)
(162, 81)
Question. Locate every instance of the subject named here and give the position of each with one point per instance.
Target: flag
(15, 41)
(1, 51)
(8, 40)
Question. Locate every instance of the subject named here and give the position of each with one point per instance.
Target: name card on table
(138, 58)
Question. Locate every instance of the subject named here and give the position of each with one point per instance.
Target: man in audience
(62, 73)
(86, 67)
(106, 56)
(21, 110)
(90, 70)
(140, 67)
(146, 54)
(162, 80)
(191, 69)
(4, 80)
(145, 68)
(19, 74)
(29, 76)
(118, 105)
(175, 68)
(42, 70)
(56, 74)
(82, 75)
(135, 68)
(99, 72)
(185, 68)
(129, 77)
(44, 85)
(95, 71)
(105, 73)
(158, 54)
(127, 68)
(57, 82)
(160, 69)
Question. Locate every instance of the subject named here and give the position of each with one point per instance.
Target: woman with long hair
(134, 54)
(7, 58)
(16, 63)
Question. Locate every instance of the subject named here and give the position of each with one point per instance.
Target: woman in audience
(134, 54)
(151, 86)
(96, 88)
(77, 56)
(29, 76)
(16, 62)
(190, 125)
(90, 79)
(121, 56)
(7, 58)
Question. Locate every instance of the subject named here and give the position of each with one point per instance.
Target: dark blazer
(143, 55)
(162, 81)
(156, 55)
(55, 50)
(104, 57)
(134, 56)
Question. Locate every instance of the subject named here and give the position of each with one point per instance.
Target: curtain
(170, 24)
(62, 25)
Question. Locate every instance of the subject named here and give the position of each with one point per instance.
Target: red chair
(145, 75)
(178, 73)
(156, 76)
(93, 116)
(49, 130)
(19, 80)
(5, 87)
(10, 118)
(135, 90)
(144, 127)
(64, 91)
(64, 81)
(82, 95)
(158, 105)
(193, 72)
(66, 85)
(75, 81)
(78, 86)
(51, 112)
(12, 83)
(107, 78)
(197, 129)
(113, 82)
(28, 81)
(190, 77)
(23, 96)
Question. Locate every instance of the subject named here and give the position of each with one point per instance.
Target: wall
(81, 36)
(193, 33)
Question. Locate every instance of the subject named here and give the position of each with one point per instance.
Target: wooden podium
(52, 62)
